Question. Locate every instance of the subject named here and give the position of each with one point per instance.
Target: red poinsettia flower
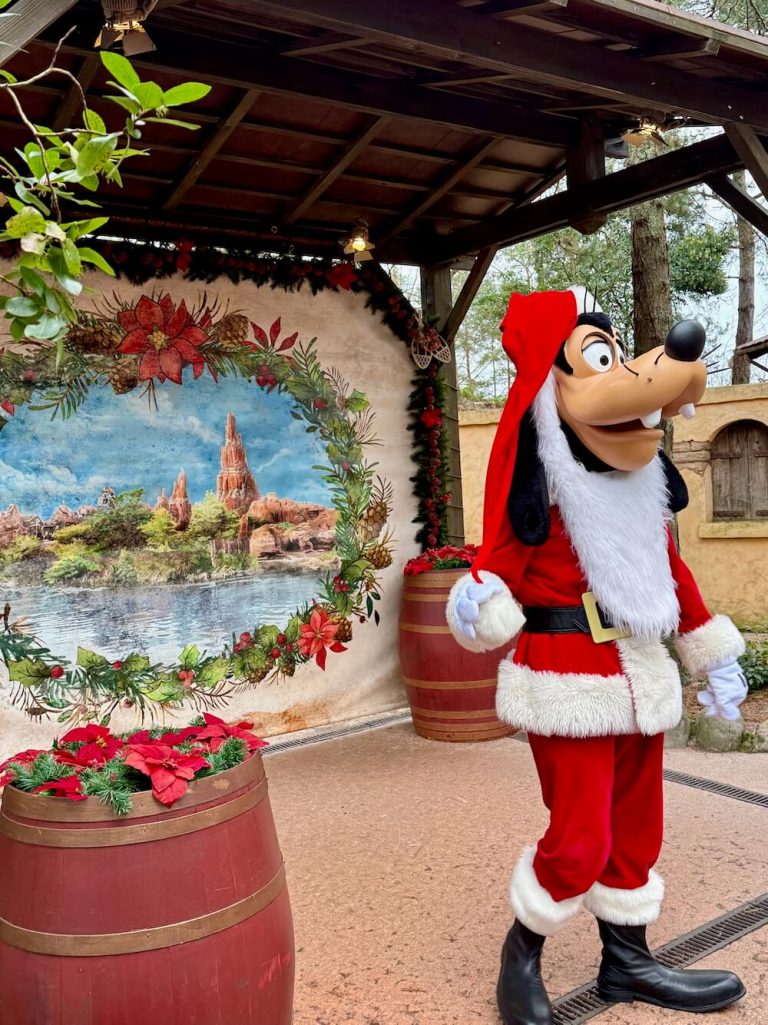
(140, 737)
(432, 418)
(216, 732)
(165, 336)
(270, 342)
(176, 737)
(25, 757)
(70, 787)
(341, 275)
(168, 769)
(98, 746)
(8, 407)
(317, 635)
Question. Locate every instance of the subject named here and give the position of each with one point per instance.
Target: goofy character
(579, 564)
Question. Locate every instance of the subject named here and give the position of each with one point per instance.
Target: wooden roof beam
(244, 67)
(647, 180)
(438, 190)
(740, 201)
(684, 49)
(326, 42)
(483, 42)
(752, 152)
(25, 21)
(337, 168)
(467, 294)
(512, 8)
(211, 148)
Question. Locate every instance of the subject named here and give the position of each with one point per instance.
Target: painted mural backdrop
(191, 505)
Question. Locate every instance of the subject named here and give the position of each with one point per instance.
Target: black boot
(520, 993)
(630, 972)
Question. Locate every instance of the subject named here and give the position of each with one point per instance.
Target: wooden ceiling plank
(752, 152)
(214, 143)
(329, 176)
(512, 8)
(439, 189)
(483, 42)
(25, 21)
(72, 102)
(685, 49)
(659, 176)
(736, 198)
(325, 43)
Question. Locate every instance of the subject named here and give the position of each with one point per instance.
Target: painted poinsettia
(165, 336)
(318, 636)
(70, 787)
(168, 768)
(216, 731)
(97, 746)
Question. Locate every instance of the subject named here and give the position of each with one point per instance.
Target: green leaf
(33, 280)
(28, 672)
(47, 328)
(136, 663)
(187, 92)
(172, 121)
(213, 672)
(91, 256)
(95, 155)
(357, 402)
(90, 659)
(127, 103)
(167, 690)
(29, 222)
(76, 229)
(94, 121)
(71, 255)
(190, 657)
(149, 95)
(22, 306)
(354, 571)
(266, 636)
(292, 630)
(3, 73)
(120, 68)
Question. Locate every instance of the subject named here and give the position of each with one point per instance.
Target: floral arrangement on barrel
(91, 761)
(445, 557)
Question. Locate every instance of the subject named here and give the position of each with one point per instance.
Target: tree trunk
(652, 314)
(745, 324)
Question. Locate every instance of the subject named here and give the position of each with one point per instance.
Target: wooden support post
(584, 164)
(436, 303)
(751, 150)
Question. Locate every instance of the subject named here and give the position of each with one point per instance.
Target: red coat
(569, 685)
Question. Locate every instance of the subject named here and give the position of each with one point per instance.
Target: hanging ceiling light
(358, 245)
(123, 24)
(646, 129)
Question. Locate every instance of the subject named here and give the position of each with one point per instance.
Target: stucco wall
(729, 560)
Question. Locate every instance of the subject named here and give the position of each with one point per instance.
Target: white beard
(616, 523)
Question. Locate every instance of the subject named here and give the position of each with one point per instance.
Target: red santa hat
(533, 330)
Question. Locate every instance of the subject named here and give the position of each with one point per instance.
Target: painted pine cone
(94, 338)
(232, 330)
(373, 520)
(379, 556)
(344, 631)
(123, 376)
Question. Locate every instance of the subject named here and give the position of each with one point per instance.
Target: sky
(120, 442)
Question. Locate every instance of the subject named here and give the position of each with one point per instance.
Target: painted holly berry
(56, 672)
(117, 665)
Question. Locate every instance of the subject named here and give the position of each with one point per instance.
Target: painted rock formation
(235, 486)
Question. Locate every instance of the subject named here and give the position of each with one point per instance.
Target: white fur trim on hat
(715, 644)
(532, 905)
(500, 619)
(627, 907)
(585, 301)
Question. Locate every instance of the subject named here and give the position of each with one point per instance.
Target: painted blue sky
(118, 441)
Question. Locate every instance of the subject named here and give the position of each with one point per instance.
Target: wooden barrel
(452, 691)
(176, 915)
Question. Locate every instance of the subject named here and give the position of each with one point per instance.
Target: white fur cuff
(500, 618)
(627, 907)
(711, 646)
(532, 905)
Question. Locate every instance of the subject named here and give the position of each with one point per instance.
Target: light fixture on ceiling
(644, 131)
(358, 245)
(123, 24)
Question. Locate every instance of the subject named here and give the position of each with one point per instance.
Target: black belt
(571, 620)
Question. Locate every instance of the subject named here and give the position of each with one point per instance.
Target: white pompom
(585, 301)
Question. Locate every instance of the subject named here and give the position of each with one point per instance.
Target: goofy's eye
(599, 355)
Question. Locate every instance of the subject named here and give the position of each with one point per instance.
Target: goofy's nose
(685, 342)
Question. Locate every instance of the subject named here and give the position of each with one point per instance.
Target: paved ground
(399, 851)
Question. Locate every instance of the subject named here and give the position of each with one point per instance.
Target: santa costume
(578, 564)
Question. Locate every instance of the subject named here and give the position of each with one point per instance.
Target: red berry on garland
(186, 676)
(30, 376)
(246, 638)
(275, 653)
(128, 703)
(289, 647)
(117, 665)
(281, 639)
(56, 672)
(319, 404)
(238, 647)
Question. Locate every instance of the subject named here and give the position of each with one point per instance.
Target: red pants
(605, 799)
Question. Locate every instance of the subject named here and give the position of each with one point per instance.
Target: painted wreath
(151, 343)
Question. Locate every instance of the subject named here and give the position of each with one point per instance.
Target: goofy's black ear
(528, 501)
(676, 486)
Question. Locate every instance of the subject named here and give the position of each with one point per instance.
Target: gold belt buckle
(600, 633)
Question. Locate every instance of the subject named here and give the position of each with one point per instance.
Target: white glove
(468, 599)
(726, 689)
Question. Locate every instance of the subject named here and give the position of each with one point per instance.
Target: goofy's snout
(686, 341)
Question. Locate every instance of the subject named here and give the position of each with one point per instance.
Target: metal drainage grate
(582, 1004)
(324, 733)
(713, 787)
